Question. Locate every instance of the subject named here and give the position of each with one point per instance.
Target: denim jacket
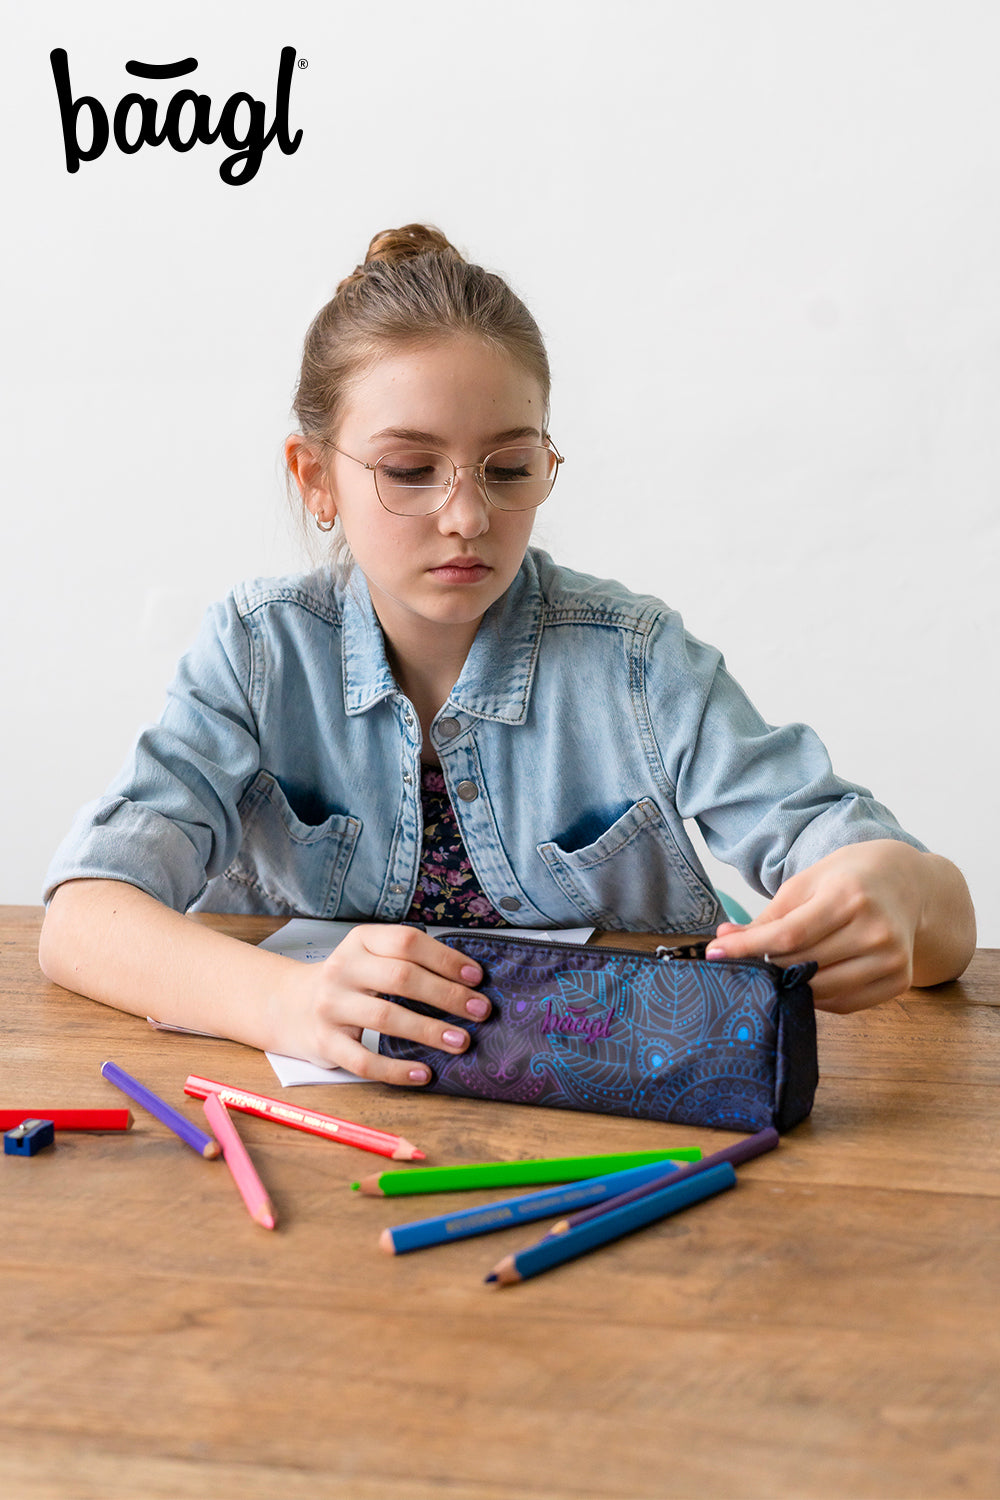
(586, 726)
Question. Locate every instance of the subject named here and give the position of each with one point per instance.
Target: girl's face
(456, 396)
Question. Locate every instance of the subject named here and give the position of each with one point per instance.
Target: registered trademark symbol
(303, 62)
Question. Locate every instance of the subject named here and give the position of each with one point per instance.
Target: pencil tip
(491, 1277)
(407, 1151)
(385, 1242)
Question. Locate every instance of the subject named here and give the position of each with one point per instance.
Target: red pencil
(346, 1131)
(70, 1119)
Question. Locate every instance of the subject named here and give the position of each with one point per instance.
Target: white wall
(762, 239)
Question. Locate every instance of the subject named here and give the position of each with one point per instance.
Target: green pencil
(486, 1174)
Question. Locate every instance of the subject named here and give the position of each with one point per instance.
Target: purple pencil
(745, 1150)
(198, 1140)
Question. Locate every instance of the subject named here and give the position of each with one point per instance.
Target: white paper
(310, 941)
(293, 1070)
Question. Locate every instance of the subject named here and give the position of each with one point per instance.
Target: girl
(445, 725)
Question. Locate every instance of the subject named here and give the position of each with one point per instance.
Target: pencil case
(665, 1036)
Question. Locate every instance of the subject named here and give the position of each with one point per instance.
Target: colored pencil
(238, 1161)
(345, 1131)
(487, 1174)
(189, 1134)
(524, 1210)
(555, 1250)
(70, 1119)
(745, 1150)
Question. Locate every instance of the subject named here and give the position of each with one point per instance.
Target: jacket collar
(499, 671)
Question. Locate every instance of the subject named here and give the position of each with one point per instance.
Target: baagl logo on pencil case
(584, 1007)
(185, 120)
(577, 1021)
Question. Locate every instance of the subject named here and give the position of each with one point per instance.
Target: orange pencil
(346, 1131)
(237, 1159)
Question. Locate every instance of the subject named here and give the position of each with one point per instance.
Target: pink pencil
(238, 1161)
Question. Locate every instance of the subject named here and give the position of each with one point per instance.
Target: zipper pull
(694, 950)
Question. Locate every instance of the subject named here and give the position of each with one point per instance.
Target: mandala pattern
(731, 1045)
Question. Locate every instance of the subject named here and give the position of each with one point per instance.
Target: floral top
(448, 893)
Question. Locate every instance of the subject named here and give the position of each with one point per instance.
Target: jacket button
(467, 790)
(510, 903)
(397, 890)
(449, 728)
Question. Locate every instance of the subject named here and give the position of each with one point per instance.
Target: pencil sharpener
(28, 1137)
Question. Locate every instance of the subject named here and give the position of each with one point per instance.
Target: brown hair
(413, 285)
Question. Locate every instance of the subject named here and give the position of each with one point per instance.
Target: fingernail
(454, 1038)
(419, 1075)
(478, 1007)
(716, 953)
(471, 973)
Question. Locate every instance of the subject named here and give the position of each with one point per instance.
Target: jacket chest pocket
(298, 868)
(634, 877)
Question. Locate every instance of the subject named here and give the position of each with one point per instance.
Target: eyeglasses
(417, 482)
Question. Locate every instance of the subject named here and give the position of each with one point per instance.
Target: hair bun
(403, 244)
(395, 245)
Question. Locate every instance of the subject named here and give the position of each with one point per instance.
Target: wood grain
(827, 1331)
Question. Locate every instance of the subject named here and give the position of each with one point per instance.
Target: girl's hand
(876, 918)
(334, 1001)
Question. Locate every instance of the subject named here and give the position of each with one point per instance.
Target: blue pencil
(522, 1210)
(555, 1249)
(198, 1140)
(745, 1150)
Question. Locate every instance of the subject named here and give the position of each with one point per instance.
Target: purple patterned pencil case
(730, 1044)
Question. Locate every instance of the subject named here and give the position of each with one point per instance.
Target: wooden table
(830, 1329)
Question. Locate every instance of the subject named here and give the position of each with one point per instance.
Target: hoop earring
(325, 525)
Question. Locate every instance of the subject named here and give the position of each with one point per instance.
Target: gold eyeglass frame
(479, 470)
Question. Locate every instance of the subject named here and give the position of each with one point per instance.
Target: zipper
(683, 953)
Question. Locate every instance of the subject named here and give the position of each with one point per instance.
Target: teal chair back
(733, 910)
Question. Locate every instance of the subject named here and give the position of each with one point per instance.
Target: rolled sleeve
(170, 821)
(855, 819)
(115, 839)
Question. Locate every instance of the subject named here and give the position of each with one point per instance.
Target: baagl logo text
(186, 119)
(577, 1021)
